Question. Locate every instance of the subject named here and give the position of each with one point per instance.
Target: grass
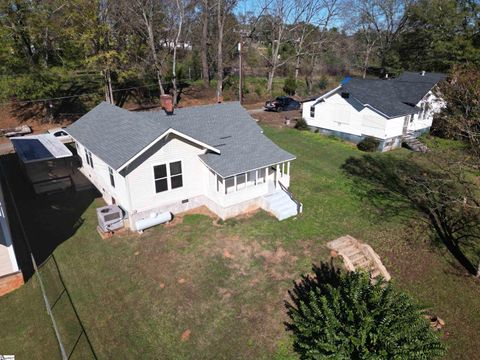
(225, 283)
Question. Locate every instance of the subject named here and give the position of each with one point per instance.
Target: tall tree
(386, 19)
(224, 9)
(439, 34)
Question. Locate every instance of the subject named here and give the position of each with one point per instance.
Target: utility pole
(240, 45)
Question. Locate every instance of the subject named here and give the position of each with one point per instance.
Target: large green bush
(369, 144)
(335, 315)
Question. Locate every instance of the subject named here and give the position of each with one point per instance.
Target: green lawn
(225, 284)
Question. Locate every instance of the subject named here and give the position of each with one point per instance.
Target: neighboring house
(10, 275)
(212, 155)
(386, 109)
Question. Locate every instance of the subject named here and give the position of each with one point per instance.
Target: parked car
(60, 134)
(282, 103)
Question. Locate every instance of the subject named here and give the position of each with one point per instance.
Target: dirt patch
(277, 119)
(202, 210)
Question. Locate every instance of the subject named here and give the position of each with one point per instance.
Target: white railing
(298, 203)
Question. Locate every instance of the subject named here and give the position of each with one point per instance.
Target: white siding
(433, 105)
(100, 177)
(8, 261)
(347, 116)
(141, 182)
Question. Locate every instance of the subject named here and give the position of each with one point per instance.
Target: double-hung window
(176, 179)
(312, 111)
(88, 156)
(112, 178)
(168, 176)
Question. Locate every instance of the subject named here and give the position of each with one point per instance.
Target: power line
(73, 96)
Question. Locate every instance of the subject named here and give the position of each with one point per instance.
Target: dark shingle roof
(379, 94)
(116, 135)
(394, 97)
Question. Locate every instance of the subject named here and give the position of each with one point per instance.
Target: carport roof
(34, 148)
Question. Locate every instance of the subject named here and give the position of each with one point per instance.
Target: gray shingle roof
(394, 97)
(116, 135)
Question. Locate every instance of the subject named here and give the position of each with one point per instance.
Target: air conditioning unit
(110, 218)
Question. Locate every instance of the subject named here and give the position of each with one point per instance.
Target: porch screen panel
(261, 176)
(229, 185)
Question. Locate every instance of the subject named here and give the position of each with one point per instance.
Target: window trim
(112, 177)
(168, 176)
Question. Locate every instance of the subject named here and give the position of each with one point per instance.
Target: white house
(212, 155)
(10, 275)
(386, 109)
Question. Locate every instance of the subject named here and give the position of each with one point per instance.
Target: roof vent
(167, 103)
(423, 73)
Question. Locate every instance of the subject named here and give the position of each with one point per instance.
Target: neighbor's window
(176, 179)
(161, 180)
(312, 111)
(112, 179)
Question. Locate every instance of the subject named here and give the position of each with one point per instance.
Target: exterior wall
(433, 105)
(245, 194)
(10, 276)
(141, 182)
(10, 282)
(137, 195)
(346, 116)
(99, 176)
(8, 261)
(349, 120)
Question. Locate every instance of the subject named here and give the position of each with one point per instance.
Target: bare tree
(385, 19)
(147, 20)
(224, 8)
(314, 18)
(206, 8)
(278, 13)
(179, 19)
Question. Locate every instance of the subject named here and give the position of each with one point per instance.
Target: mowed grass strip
(216, 290)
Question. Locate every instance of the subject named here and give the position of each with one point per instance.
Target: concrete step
(281, 205)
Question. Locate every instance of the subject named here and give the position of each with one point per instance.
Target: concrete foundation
(198, 201)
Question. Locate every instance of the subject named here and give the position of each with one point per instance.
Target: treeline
(115, 49)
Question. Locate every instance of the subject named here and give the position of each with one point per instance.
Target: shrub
(301, 124)
(290, 86)
(339, 315)
(369, 144)
(323, 83)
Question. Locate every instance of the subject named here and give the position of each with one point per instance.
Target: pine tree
(336, 315)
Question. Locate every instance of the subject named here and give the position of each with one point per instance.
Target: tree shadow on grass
(429, 188)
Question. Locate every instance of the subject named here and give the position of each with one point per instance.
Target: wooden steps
(357, 255)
